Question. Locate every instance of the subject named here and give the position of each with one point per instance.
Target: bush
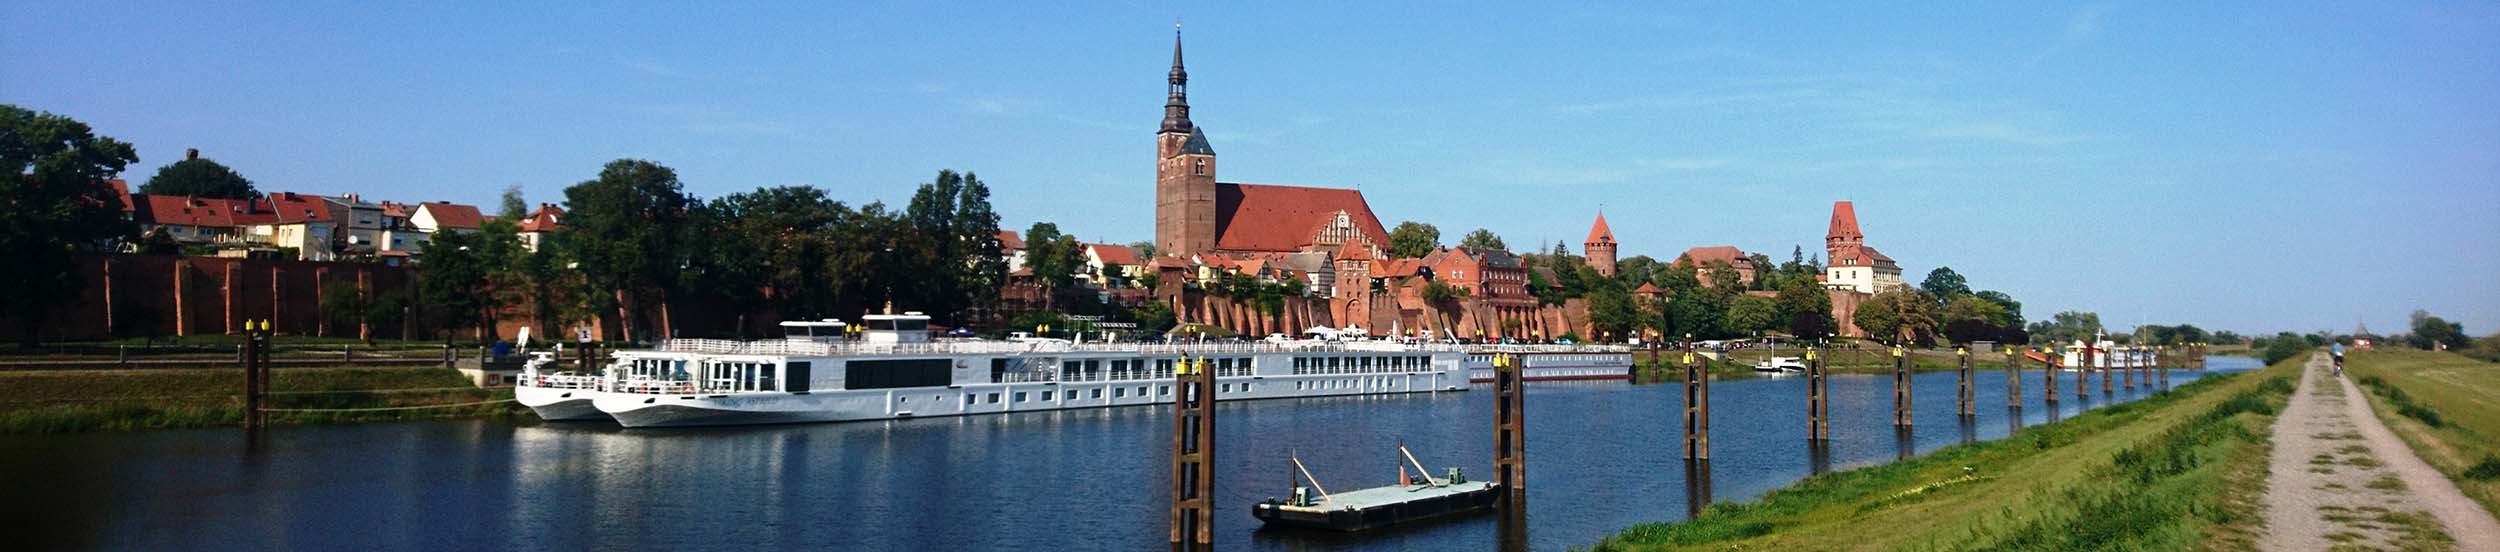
(2277, 350)
(2486, 470)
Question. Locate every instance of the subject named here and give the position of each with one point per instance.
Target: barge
(1408, 501)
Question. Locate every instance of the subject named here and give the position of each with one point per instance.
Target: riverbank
(2184, 469)
(62, 401)
(2445, 407)
(1739, 364)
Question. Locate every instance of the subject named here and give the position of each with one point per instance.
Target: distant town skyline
(2306, 169)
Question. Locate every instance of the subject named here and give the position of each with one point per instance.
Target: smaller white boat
(1781, 364)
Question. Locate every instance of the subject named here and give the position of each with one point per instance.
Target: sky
(2257, 167)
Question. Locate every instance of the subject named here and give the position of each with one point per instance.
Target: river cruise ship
(891, 369)
(1553, 362)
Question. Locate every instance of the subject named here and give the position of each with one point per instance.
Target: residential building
(437, 216)
(1705, 260)
(1851, 264)
(539, 224)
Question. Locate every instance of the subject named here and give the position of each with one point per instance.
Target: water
(1601, 456)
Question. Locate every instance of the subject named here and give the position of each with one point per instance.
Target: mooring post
(2083, 374)
(2048, 376)
(1510, 445)
(2167, 357)
(1964, 395)
(2105, 375)
(1696, 404)
(1193, 445)
(2013, 378)
(1900, 387)
(255, 373)
(1818, 407)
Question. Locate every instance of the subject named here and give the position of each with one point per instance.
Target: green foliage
(514, 207)
(2403, 403)
(2431, 332)
(1053, 257)
(2485, 470)
(1898, 316)
(2283, 347)
(456, 284)
(53, 202)
(1943, 285)
(344, 305)
(1479, 239)
(1614, 312)
(629, 229)
(199, 178)
(1806, 307)
(1413, 240)
(2067, 327)
(1749, 313)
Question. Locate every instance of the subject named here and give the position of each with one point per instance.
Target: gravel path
(2338, 477)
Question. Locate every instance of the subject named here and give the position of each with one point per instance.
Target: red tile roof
(1353, 251)
(1268, 217)
(1844, 222)
(546, 219)
(1600, 233)
(1648, 289)
(122, 188)
(399, 210)
(453, 215)
(289, 208)
(186, 210)
(1115, 254)
(1865, 254)
(1703, 255)
(1009, 241)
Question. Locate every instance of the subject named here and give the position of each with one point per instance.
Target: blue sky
(2256, 167)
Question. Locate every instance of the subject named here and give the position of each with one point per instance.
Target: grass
(2445, 407)
(57, 401)
(2179, 470)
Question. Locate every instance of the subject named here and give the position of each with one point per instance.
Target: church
(1196, 215)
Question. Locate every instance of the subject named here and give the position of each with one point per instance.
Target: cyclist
(2337, 350)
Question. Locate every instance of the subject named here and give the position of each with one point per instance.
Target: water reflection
(2013, 420)
(1511, 529)
(1970, 429)
(1818, 456)
(1901, 439)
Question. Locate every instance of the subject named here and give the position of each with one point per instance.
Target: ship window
(1020, 396)
(1163, 390)
(1119, 392)
(1097, 392)
(889, 374)
(993, 398)
(1141, 390)
(1245, 388)
(1228, 388)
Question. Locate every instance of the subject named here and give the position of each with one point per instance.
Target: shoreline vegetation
(69, 401)
(2184, 469)
(2445, 406)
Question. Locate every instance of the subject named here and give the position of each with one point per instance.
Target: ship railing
(652, 387)
(1541, 348)
(794, 348)
(563, 382)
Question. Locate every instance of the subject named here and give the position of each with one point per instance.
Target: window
(1228, 388)
(1097, 392)
(1045, 396)
(993, 398)
(1245, 388)
(1201, 167)
(1163, 390)
(1020, 396)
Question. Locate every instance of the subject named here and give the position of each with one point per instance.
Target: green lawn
(2182, 470)
(2445, 406)
(48, 401)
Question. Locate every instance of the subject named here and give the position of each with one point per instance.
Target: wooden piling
(2013, 378)
(1193, 445)
(1900, 387)
(2048, 376)
(1696, 405)
(1510, 443)
(2105, 376)
(2083, 374)
(1964, 395)
(255, 374)
(1818, 405)
(2164, 360)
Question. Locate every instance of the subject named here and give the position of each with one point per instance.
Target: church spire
(1176, 106)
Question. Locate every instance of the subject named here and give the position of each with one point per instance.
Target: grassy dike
(59, 401)
(2446, 407)
(2182, 470)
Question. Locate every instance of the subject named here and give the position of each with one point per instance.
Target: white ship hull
(560, 405)
(1558, 365)
(645, 410)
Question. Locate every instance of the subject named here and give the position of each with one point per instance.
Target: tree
(1413, 240)
(1807, 308)
(2013, 309)
(1897, 316)
(1879, 319)
(1752, 313)
(1053, 257)
(1479, 239)
(1614, 312)
(456, 282)
(199, 177)
(2431, 332)
(1145, 250)
(54, 202)
(2284, 346)
(2067, 327)
(514, 207)
(961, 264)
(1943, 285)
(628, 229)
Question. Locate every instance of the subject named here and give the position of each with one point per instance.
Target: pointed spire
(1176, 106)
(1599, 232)
(1844, 224)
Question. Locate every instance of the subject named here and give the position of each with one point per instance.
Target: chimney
(190, 153)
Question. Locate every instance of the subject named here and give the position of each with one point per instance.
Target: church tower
(1600, 247)
(1184, 173)
(1844, 233)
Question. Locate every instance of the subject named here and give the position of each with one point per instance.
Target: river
(1601, 456)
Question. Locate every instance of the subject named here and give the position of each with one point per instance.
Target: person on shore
(2337, 351)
